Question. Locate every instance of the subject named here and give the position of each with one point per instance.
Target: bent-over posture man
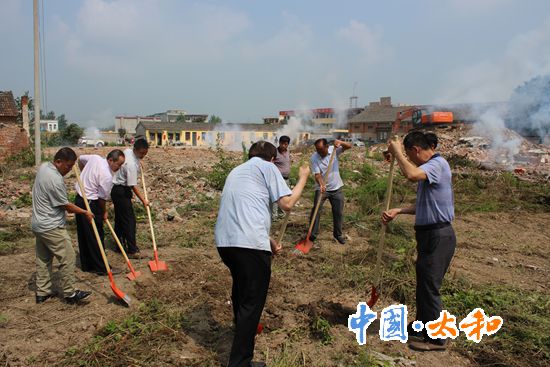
(97, 179)
(49, 203)
(242, 239)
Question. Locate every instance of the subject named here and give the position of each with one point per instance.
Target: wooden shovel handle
(148, 209)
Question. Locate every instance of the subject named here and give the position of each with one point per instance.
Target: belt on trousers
(429, 227)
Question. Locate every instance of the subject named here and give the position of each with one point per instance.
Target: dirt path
(509, 248)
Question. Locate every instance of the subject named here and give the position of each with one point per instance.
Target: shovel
(118, 293)
(306, 244)
(133, 274)
(375, 289)
(155, 265)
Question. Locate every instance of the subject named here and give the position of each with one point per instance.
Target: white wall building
(49, 126)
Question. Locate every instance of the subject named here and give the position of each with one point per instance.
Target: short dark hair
(416, 138)
(141, 144)
(262, 149)
(325, 141)
(432, 139)
(115, 154)
(284, 139)
(65, 154)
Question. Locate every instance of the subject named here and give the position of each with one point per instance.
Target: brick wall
(13, 139)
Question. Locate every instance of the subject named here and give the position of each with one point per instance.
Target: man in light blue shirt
(330, 189)
(435, 236)
(242, 239)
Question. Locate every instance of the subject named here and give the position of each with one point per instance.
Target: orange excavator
(420, 118)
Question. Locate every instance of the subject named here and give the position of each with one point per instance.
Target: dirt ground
(493, 248)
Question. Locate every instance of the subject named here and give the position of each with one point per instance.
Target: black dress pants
(251, 272)
(435, 249)
(125, 219)
(336, 199)
(90, 255)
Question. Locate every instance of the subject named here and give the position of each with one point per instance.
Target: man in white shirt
(125, 185)
(242, 239)
(332, 188)
(97, 179)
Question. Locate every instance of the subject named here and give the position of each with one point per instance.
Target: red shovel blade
(157, 265)
(374, 295)
(303, 246)
(134, 275)
(118, 293)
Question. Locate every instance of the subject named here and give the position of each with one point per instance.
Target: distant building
(375, 122)
(204, 135)
(13, 137)
(321, 122)
(129, 123)
(50, 126)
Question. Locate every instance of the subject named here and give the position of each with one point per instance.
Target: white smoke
(92, 133)
(504, 145)
(297, 126)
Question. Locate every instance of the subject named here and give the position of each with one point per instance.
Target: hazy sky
(244, 60)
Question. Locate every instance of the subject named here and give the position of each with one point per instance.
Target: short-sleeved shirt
(129, 172)
(282, 161)
(244, 217)
(49, 196)
(434, 196)
(96, 177)
(320, 165)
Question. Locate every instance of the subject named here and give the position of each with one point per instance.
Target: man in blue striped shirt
(435, 237)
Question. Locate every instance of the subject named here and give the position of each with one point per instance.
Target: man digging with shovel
(331, 189)
(435, 237)
(242, 239)
(49, 203)
(97, 179)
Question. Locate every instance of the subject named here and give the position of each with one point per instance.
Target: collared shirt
(129, 172)
(320, 165)
(282, 161)
(97, 177)
(244, 217)
(49, 196)
(434, 196)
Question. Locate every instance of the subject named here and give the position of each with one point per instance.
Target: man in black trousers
(435, 237)
(97, 179)
(125, 185)
(242, 239)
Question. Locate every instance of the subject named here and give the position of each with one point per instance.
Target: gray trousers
(336, 199)
(435, 249)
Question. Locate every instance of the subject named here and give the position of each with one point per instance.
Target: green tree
(62, 122)
(121, 132)
(20, 108)
(71, 134)
(215, 119)
(180, 118)
(49, 116)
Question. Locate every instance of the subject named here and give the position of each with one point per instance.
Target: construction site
(181, 317)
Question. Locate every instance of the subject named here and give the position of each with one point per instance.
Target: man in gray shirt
(49, 203)
(282, 161)
(332, 188)
(435, 237)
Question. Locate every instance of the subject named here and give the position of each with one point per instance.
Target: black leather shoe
(413, 334)
(312, 238)
(77, 297)
(341, 240)
(42, 299)
(257, 364)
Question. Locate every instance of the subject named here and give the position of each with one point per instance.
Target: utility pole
(37, 152)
